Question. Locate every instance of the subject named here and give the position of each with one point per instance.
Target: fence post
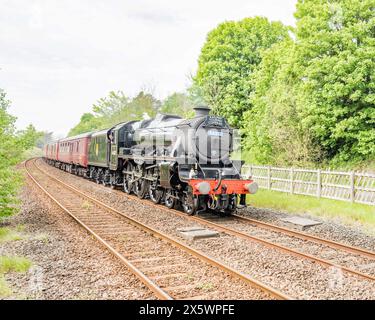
(352, 186)
(319, 184)
(291, 180)
(269, 177)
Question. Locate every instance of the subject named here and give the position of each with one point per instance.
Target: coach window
(113, 137)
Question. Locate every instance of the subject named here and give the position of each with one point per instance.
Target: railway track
(289, 243)
(282, 239)
(285, 240)
(169, 268)
(308, 237)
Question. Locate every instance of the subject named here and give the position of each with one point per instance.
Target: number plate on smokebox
(214, 133)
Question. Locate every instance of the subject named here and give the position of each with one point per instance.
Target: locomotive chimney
(202, 111)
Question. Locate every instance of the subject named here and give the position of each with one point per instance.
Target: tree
(88, 123)
(228, 60)
(29, 137)
(10, 155)
(273, 127)
(116, 108)
(314, 97)
(178, 104)
(336, 50)
(108, 106)
(142, 104)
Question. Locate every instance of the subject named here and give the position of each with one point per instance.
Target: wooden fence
(347, 186)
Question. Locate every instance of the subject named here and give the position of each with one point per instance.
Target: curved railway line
(169, 268)
(282, 239)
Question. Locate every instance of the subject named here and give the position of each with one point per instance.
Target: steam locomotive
(170, 160)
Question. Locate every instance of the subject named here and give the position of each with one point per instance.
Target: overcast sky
(57, 57)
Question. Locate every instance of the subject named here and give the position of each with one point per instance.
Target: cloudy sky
(57, 57)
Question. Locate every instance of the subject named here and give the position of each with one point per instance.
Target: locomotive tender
(167, 159)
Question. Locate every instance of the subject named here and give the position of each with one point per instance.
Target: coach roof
(100, 133)
(80, 136)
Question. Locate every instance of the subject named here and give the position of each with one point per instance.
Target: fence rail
(352, 186)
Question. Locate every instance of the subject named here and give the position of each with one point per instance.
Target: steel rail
(243, 235)
(138, 273)
(240, 275)
(246, 236)
(294, 233)
(309, 237)
(270, 244)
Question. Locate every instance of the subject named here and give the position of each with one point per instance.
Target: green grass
(349, 213)
(207, 286)
(5, 291)
(16, 264)
(7, 234)
(11, 264)
(86, 205)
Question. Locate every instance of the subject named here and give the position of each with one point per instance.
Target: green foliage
(337, 49)
(274, 126)
(11, 264)
(108, 106)
(12, 150)
(116, 108)
(178, 104)
(29, 137)
(88, 122)
(10, 154)
(16, 264)
(5, 291)
(228, 60)
(144, 104)
(7, 234)
(314, 97)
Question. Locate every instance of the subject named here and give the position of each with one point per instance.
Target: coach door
(113, 154)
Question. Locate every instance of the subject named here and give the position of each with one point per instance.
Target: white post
(352, 186)
(269, 177)
(291, 181)
(319, 184)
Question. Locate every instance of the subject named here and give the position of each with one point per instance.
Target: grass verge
(5, 291)
(16, 264)
(11, 264)
(349, 213)
(8, 234)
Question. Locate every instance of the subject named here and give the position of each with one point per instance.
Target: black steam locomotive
(180, 162)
